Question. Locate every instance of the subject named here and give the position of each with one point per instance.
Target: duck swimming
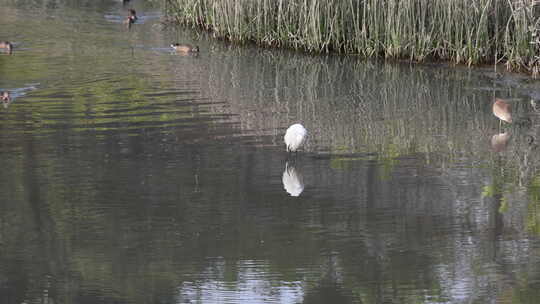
(131, 18)
(6, 98)
(185, 48)
(132, 14)
(6, 45)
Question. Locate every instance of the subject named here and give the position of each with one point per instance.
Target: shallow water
(132, 174)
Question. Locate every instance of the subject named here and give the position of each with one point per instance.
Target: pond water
(134, 174)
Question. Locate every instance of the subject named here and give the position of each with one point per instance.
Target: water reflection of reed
(352, 106)
(440, 116)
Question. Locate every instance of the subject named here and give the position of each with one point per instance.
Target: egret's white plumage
(292, 180)
(295, 137)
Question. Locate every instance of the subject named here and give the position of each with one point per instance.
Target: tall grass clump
(462, 31)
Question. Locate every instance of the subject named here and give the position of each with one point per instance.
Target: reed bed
(462, 31)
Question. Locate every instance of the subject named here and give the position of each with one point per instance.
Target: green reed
(462, 31)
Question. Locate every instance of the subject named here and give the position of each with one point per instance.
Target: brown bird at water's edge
(6, 45)
(502, 110)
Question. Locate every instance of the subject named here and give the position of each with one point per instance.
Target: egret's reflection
(500, 141)
(293, 182)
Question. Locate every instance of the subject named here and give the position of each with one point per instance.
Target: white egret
(295, 137)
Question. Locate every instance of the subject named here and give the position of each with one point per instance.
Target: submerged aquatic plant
(462, 31)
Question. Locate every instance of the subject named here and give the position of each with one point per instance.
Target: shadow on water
(133, 175)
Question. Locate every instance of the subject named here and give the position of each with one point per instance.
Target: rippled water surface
(133, 174)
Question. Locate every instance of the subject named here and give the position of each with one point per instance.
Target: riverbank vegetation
(462, 31)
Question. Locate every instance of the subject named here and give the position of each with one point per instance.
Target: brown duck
(131, 18)
(185, 48)
(6, 45)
